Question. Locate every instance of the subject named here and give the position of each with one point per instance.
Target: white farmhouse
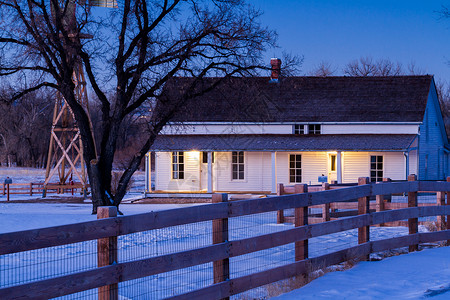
(249, 134)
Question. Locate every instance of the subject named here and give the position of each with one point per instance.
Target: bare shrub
(432, 226)
(116, 175)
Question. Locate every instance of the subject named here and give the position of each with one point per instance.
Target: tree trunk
(97, 191)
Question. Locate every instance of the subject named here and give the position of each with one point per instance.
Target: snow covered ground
(25, 216)
(414, 276)
(411, 276)
(28, 175)
(418, 275)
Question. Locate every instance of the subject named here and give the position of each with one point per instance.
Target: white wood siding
(163, 172)
(394, 164)
(314, 164)
(413, 162)
(257, 172)
(287, 129)
(357, 164)
(370, 129)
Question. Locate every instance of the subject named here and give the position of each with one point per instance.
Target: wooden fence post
(413, 224)
(301, 219)
(440, 220)
(31, 189)
(280, 213)
(448, 216)
(363, 208)
(380, 201)
(107, 254)
(326, 206)
(387, 198)
(221, 268)
(7, 192)
(3, 190)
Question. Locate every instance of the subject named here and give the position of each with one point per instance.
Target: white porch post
(148, 173)
(338, 167)
(274, 173)
(210, 187)
(407, 164)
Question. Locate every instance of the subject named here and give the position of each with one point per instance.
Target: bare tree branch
(134, 53)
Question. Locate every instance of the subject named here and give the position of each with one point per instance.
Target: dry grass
(296, 282)
(432, 226)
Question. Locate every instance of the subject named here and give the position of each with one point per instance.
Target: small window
(295, 168)
(177, 165)
(314, 129)
(237, 165)
(298, 129)
(376, 168)
(205, 157)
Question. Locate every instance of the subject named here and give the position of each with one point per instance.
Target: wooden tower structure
(65, 152)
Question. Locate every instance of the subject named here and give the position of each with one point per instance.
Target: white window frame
(299, 129)
(376, 169)
(295, 168)
(177, 167)
(314, 129)
(238, 164)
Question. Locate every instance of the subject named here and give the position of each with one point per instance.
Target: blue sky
(341, 31)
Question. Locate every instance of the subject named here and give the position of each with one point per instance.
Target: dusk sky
(338, 31)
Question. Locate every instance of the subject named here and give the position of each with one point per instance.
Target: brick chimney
(276, 69)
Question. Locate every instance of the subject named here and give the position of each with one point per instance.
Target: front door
(204, 170)
(332, 164)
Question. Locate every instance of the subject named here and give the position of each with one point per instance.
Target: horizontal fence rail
(7, 189)
(226, 245)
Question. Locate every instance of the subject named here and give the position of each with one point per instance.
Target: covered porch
(210, 162)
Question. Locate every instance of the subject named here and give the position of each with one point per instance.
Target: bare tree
(443, 91)
(385, 67)
(323, 69)
(366, 66)
(414, 70)
(132, 52)
(21, 127)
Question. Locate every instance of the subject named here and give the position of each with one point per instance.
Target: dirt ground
(80, 200)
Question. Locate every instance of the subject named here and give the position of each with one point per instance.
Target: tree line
(25, 130)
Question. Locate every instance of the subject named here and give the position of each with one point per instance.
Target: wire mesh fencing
(40, 264)
(251, 239)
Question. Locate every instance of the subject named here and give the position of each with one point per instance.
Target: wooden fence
(37, 188)
(333, 211)
(110, 272)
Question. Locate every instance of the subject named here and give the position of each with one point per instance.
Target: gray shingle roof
(307, 99)
(266, 142)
